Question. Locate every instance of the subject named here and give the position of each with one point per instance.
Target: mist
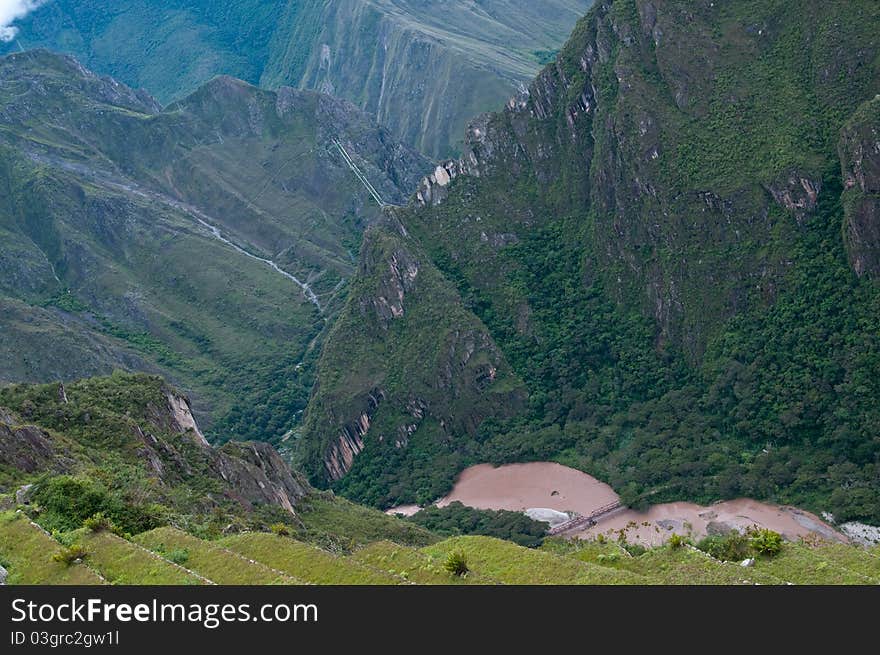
(11, 11)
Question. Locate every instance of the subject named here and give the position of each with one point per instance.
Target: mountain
(210, 241)
(669, 241)
(423, 69)
(110, 481)
(128, 447)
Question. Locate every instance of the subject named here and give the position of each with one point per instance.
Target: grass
(343, 520)
(122, 562)
(800, 564)
(512, 564)
(856, 559)
(413, 565)
(26, 552)
(212, 561)
(688, 566)
(305, 562)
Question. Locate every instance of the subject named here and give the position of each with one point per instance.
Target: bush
(730, 547)
(456, 563)
(677, 541)
(633, 549)
(70, 555)
(281, 529)
(608, 558)
(98, 522)
(66, 502)
(765, 542)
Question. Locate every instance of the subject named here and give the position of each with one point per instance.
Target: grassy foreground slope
(26, 552)
(210, 560)
(169, 556)
(304, 561)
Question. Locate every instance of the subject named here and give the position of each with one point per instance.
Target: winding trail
(201, 217)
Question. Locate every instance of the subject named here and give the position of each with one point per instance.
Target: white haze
(11, 11)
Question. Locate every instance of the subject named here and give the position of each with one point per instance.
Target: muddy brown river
(547, 485)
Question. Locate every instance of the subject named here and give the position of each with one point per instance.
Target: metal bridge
(587, 521)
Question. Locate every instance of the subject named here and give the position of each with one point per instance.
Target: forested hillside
(670, 240)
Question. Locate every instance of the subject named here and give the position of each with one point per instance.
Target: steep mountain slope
(410, 364)
(423, 69)
(127, 448)
(652, 235)
(211, 240)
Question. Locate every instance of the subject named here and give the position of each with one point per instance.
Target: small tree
(456, 563)
(677, 541)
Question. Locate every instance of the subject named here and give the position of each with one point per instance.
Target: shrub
(730, 547)
(765, 542)
(456, 563)
(281, 529)
(633, 549)
(70, 555)
(677, 541)
(608, 558)
(98, 522)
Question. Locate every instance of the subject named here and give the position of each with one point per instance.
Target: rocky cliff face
(612, 130)
(860, 159)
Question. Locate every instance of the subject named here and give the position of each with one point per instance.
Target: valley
(388, 292)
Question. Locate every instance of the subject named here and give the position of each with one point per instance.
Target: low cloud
(11, 11)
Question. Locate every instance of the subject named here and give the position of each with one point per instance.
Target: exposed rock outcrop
(860, 160)
(376, 391)
(256, 473)
(28, 448)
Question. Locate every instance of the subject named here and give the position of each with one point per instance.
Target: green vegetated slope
(797, 563)
(169, 556)
(340, 524)
(128, 448)
(410, 362)
(213, 562)
(413, 565)
(423, 69)
(26, 552)
(668, 243)
(306, 562)
(211, 241)
(512, 564)
(124, 562)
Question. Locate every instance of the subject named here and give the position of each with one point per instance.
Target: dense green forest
(457, 519)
